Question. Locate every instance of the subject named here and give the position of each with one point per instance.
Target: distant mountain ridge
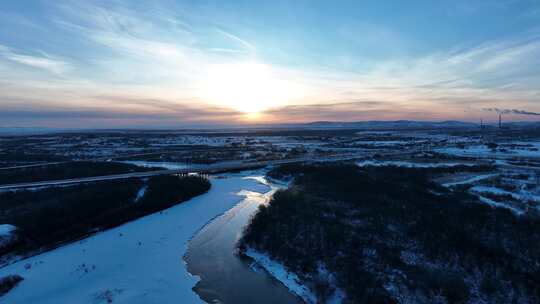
(375, 124)
(402, 125)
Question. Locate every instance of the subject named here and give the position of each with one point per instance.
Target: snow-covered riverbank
(139, 262)
(291, 280)
(279, 272)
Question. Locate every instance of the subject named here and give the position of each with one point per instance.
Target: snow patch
(7, 235)
(7, 230)
(141, 193)
(496, 204)
(278, 271)
(471, 180)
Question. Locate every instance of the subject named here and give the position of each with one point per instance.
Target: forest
(391, 235)
(48, 217)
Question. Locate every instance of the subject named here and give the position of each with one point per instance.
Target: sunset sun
(246, 87)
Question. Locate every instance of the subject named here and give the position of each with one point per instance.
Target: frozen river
(225, 277)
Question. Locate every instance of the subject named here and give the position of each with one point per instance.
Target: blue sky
(86, 64)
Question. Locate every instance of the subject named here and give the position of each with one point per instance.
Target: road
(110, 158)
(33, 165)
(219, 168)
(204, 170)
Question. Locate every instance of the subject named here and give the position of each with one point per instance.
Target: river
(225, 277)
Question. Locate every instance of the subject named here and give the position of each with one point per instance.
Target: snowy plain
(513, 149)
(138, 262)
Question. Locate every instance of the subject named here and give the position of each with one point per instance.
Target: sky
(161, 64)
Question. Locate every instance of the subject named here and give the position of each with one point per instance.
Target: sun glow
(246, 87)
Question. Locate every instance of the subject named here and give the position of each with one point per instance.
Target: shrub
(9, 282)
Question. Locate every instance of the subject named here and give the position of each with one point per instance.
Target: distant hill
(383, 125)
(8, 131)
(402, 125)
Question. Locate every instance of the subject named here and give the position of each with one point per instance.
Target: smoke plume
(511, 111)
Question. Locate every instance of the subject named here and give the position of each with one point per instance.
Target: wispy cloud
(42, 61)
(237, 39)
(350, 111)
(116, 111)
(498, 71)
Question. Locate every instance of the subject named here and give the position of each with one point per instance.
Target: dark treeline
(390, 235)
(56, 215)
(18, 156)
(298, 169)
(65, 170)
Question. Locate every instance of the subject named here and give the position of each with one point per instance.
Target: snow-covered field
(139, 262)
(518, 200)
(522, 196)
(515, 149)
(193, 140)
(486, 187)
